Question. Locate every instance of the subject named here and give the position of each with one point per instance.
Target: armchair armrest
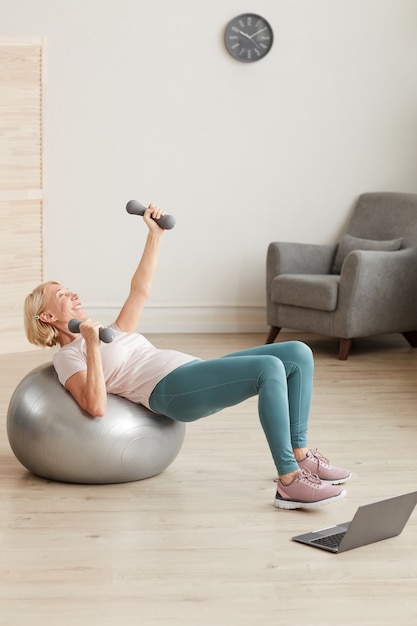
(378, 288)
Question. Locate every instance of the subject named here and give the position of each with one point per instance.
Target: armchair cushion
(311, 291)
(348, 243)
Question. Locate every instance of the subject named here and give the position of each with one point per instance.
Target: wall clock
(248, 37)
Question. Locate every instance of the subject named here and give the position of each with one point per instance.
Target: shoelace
(309, 476)
(318, 456)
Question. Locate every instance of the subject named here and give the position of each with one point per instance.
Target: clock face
(248, 37)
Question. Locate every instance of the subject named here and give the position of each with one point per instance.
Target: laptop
(372, 522)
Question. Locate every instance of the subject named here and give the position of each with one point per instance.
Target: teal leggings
(280, 374)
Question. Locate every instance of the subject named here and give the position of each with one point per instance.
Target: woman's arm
(88, 387)
(140, 285)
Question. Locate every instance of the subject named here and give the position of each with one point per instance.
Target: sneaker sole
(281, 503)
(336, 481)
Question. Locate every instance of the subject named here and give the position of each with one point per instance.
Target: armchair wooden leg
(344, 348)
(411, 337)
(273, 333)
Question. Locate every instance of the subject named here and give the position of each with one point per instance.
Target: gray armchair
(364, 285)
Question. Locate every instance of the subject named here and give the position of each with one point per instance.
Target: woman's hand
(153, 212)
(90, 332)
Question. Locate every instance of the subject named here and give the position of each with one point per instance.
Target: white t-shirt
(132, 366)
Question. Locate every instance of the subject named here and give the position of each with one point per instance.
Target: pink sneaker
(306, 491)
(319, 465)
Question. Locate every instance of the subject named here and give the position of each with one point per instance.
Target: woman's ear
(47, 318)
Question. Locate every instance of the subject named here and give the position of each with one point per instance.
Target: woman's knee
(300, 351)
(293, 352)
(270, 365)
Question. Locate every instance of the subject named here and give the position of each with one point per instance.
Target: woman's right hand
(90, 331)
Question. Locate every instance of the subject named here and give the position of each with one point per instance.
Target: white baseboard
(193, 319)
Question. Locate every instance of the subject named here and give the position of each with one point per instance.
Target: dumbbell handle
(106, 334)
(136, 208)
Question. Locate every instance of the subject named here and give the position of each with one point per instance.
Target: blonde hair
(39, 333)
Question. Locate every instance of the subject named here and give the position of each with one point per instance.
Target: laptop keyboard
(332, 541)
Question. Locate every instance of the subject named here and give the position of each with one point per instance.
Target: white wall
(144, 102)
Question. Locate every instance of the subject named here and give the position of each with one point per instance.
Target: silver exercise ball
(53, 438)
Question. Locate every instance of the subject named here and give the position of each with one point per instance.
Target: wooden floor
(201, 544)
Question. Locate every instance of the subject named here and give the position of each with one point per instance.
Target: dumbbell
(106, 334)
(136, 208)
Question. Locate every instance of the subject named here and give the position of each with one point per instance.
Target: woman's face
(62, 305)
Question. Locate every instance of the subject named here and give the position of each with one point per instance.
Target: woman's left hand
(152, 213)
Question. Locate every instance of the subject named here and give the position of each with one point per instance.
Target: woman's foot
(306, 491)
(319, 465)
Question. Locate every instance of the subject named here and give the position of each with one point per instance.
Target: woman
(182, 386)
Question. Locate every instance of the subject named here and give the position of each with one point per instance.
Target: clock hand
(258, 31)
(250, 37)
(245, 34)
